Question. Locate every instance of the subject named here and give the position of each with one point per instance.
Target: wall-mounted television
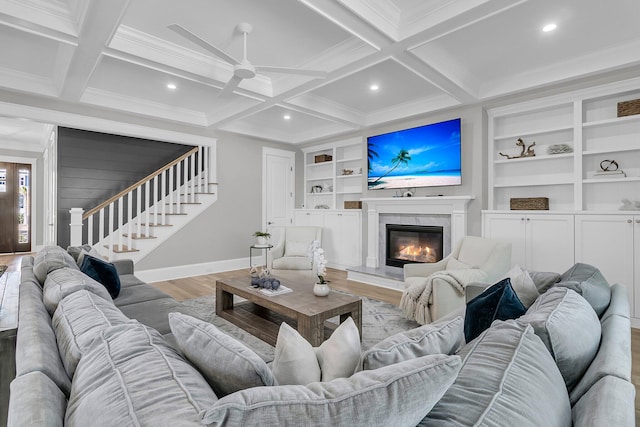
(424, 156)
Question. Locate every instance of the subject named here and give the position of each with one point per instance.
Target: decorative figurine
(526, 151)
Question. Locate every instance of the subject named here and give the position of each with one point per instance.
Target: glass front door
(15, 207)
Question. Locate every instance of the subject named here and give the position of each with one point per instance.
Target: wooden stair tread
(135, 236)
(157, 225)
(183, 203)
(124, 249)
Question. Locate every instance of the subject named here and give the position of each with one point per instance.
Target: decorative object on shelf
(525, 151)
(347, 172)
(321, 158)
(352, 204)
(321, 207)
(609, 169)
(316, 255)
(629, 108)
(628, 205)
(261, 237)
(327, 188)
(316, 189)
(529, 203)
(409, 193)
(559, 149)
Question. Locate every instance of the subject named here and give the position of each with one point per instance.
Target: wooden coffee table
(261, 315)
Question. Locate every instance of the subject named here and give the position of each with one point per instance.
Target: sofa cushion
(77, 320)
(51, 258)
(523, 285)
(226, 363)
(497, 302)
(294, 248)
(297, 362)
(399, 394)
(436, 338)
(610, 402)
(65, 281)
(544, 280)
(507, 378)
(45, 412)
(75, 251)
(612, 359)
(102, 272)
(133, 294)
(292, 263)
(130, 376)
(569, 328)
(587, 281)
(155, 313)
(37, 349)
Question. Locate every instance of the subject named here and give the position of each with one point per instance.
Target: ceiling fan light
(549, 27)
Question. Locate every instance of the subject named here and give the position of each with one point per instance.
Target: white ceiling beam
(100, 23)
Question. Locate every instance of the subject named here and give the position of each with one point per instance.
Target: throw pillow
(436, 338)
(587, 281)
(75, 251)
(399, 395)
(292, 248)
(498, 302)
(507, 378)
(297, 362)
(103, 272)
(65, 281)
(554, 317)
(227, 364)
(454, 264)
(523, 285)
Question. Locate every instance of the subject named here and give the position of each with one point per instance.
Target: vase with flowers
(316, 255)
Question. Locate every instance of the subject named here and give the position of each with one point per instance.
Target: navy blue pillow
(498, 302)
(103, 272)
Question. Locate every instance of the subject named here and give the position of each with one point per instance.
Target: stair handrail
(143, 181)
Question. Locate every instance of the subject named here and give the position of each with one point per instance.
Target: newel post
(75, 226)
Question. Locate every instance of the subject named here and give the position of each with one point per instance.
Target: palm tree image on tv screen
(425, 156)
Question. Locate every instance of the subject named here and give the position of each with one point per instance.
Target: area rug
(379, 320)
(3, 268)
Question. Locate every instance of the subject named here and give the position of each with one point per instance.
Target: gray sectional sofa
(85, 359)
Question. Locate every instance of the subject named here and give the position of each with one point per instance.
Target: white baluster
(120, 223)
(163, 195)
(172, 172)
(146, 210)
(192, 179)
(156, 207)
(101, 229)
(129, 220)
(139, 210)
(178, 188)
(110, 229)
(90, 230)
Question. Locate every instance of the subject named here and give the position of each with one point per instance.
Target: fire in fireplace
(412, 244)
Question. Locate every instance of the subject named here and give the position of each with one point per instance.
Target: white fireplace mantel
(456, 206)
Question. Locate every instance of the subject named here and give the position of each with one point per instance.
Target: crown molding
(50, 14)
(323, 108)
(20, 81)
(381, 14)
(413, 108)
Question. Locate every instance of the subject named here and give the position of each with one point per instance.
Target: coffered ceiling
(116, 57)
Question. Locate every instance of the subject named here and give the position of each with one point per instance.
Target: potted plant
(262, 237)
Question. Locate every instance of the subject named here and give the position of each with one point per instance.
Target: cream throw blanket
(415, 299)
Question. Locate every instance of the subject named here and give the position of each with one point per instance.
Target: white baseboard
(635, 323)
(182, 271)
(374, 280)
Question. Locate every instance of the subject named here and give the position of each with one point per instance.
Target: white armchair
(292, 250)
(435, 289)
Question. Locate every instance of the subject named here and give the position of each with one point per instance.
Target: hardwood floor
(197, 286)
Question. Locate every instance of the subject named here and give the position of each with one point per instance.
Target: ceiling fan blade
(229, 87)
(299, 71)
(202, 43)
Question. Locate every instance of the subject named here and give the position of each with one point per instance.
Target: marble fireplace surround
(447, 211)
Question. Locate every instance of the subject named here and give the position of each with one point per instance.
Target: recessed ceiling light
(171, 86)
(374, 87)
(287, 117)
(549, 27)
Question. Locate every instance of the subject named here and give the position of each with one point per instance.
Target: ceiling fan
(242, 69)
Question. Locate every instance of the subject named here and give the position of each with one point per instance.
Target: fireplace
(413, 244)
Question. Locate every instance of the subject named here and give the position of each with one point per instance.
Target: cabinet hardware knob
(521, 219)
(528, 219)
(637, 221)
(629, 221)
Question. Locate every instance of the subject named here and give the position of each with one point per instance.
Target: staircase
(140, 218)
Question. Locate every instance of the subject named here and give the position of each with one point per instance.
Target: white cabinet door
(510, 228)
(607, 242)
(538, 242)
(305, 217)
(549, 242)
(341, 237)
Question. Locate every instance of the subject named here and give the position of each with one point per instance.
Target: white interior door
(278, 178)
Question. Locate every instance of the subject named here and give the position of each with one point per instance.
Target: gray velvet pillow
(436, 338)
(587, 281)
(65, 281)
(569, 328)
(226, 363)
(130, 376)
(49, 259)
(398, 395)
(507, 378)
(544, 280)
(77, 320)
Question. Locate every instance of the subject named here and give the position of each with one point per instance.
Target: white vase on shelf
(321, 289)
